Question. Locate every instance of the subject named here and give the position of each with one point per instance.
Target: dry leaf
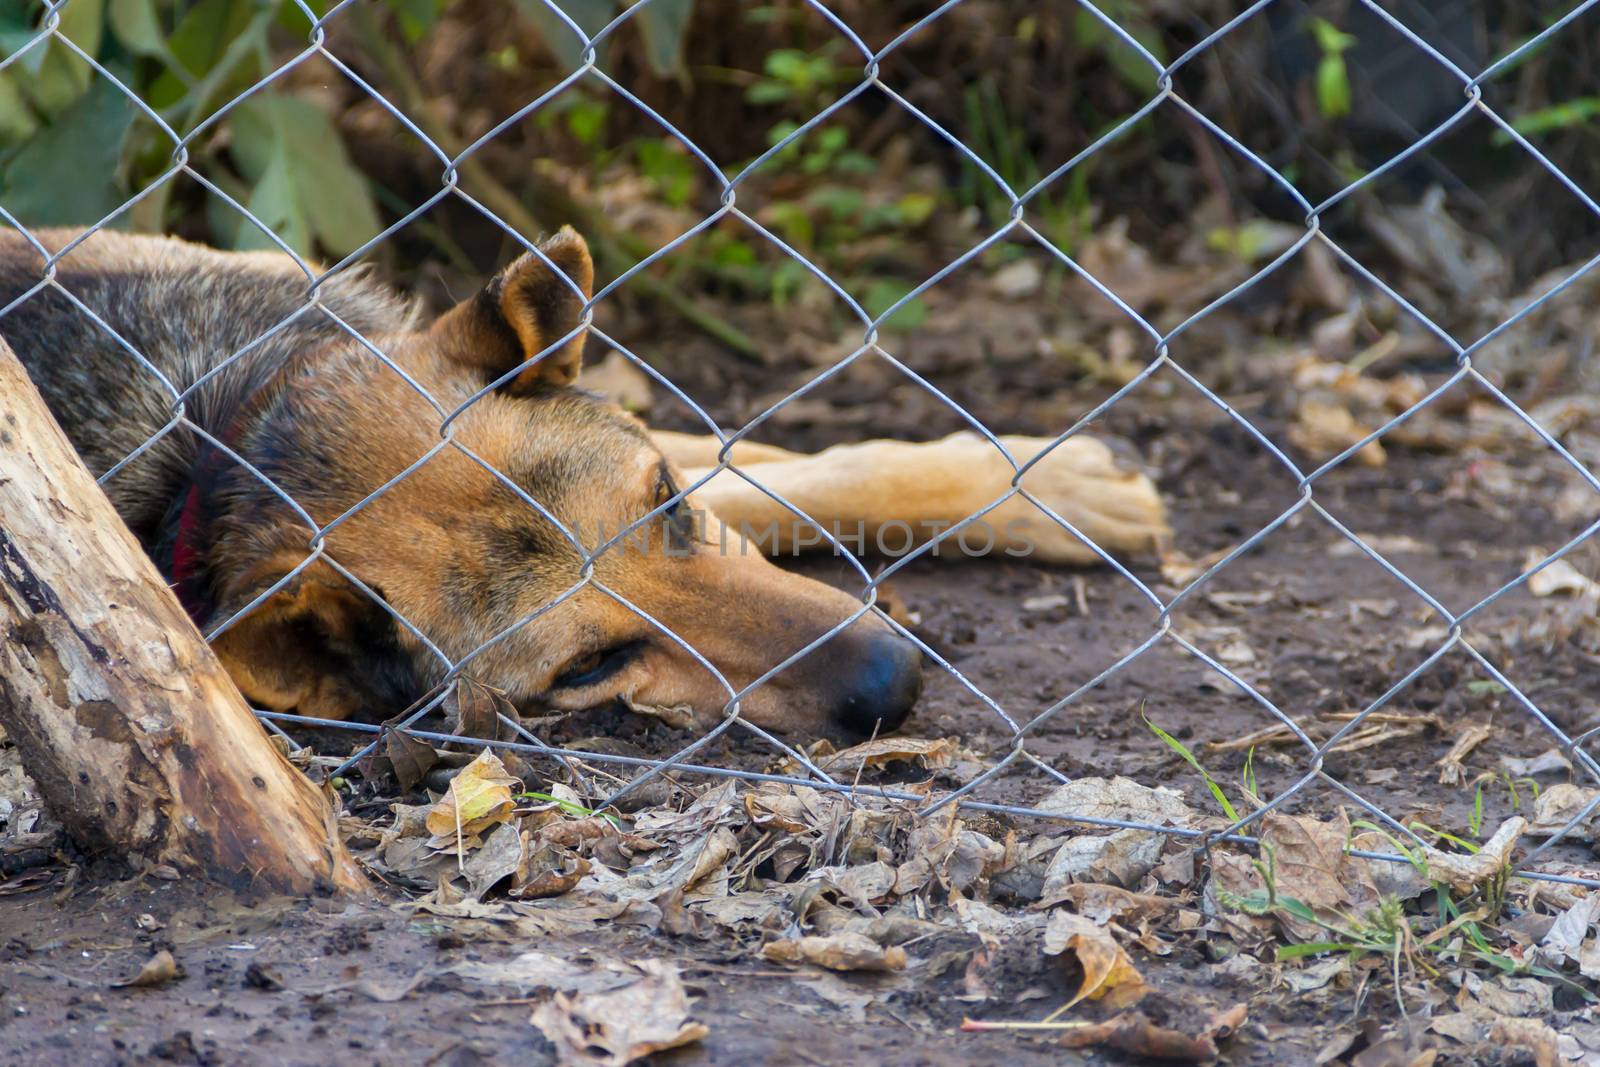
(838, 952)
(548, 871)
(1103, 903)
(1451, 771)
(1550, 761)
(501, 854)
(1466, 872)
(620, 1026)
(1559, 578)
(1323, 429)
(1403, 1049)
(479, 797)
(1531, 1035)
(1500, 995)
(408, 758)
(932, 753)
(157, 970)
(1119, 798)
(1311, 867)
(1124, 857)
(793, 809)
(1559, 805)
(1133, 1033)
(473, 710)
(1107, 970)
(531, 971)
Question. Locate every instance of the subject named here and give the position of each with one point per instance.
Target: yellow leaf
(479, 797)
(1107, 970)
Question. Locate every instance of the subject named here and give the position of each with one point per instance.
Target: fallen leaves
(1133, 1033)
(158, 970)
(839, 952)
(932, 753)
(1107, 971)
(479, 797)
(1463, 872)
(615, 1027)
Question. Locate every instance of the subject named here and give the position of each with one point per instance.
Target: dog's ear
(319, 647)
(523, 310)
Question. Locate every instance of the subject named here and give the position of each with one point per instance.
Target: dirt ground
(1308, 620)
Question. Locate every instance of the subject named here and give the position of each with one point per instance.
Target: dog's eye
(595, 667)
(666, 490)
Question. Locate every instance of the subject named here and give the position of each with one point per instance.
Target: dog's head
(485, 548)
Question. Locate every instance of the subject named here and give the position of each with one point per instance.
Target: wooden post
(138, 739)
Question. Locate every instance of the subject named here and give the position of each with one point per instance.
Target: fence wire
(1163, 629)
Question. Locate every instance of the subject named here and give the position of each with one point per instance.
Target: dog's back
(186, 310)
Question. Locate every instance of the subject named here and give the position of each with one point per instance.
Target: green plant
(1567, 115)
(1062, 212)
(568, 807)
(74, 147)
(1333, 75)
(1189, 758)
(806, 80)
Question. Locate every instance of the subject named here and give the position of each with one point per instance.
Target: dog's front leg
(891, 496)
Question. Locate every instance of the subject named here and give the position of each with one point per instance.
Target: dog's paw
(1117, 508)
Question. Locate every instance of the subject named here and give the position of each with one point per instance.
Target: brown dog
(336, 404)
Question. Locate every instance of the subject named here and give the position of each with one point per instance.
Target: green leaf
(882, 294)
(417, 16)
(915, 208)
(67, 173)
(203, 33)
(591, 16)
(842, 202)
(1333, 87)
(671, 170)
(1129, 65)
(17, 120)
(198, 43)
(1314, 948)
(83, 23)
(19, 24)
(1299, 909)
(301, 176)
(793, 223)
(1331, 40)
(1178, 747)
(586, 120)
(137, 25)
(61, 77)
(662, 24)
(275, 202)
(768, 92)
(1562, 116)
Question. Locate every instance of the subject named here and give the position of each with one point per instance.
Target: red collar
(191, 545)
(189, 580)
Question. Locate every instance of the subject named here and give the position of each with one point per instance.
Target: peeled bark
(138, 739)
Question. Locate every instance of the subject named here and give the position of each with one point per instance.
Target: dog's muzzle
(876, 679)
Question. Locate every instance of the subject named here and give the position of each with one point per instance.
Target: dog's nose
(878, 691)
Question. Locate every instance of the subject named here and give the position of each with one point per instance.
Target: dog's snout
(879, 689)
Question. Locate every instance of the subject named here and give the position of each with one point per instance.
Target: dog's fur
(302, 395)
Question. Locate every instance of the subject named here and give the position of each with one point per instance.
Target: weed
(1189, 758)
(568, 807)
(1333, 76)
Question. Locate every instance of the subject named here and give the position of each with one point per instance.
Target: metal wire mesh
(1019, 224)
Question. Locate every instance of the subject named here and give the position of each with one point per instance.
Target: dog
(325, 403)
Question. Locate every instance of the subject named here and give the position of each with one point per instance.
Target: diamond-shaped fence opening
(1178, 270)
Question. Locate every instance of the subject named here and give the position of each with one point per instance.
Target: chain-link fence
(1019, 224)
